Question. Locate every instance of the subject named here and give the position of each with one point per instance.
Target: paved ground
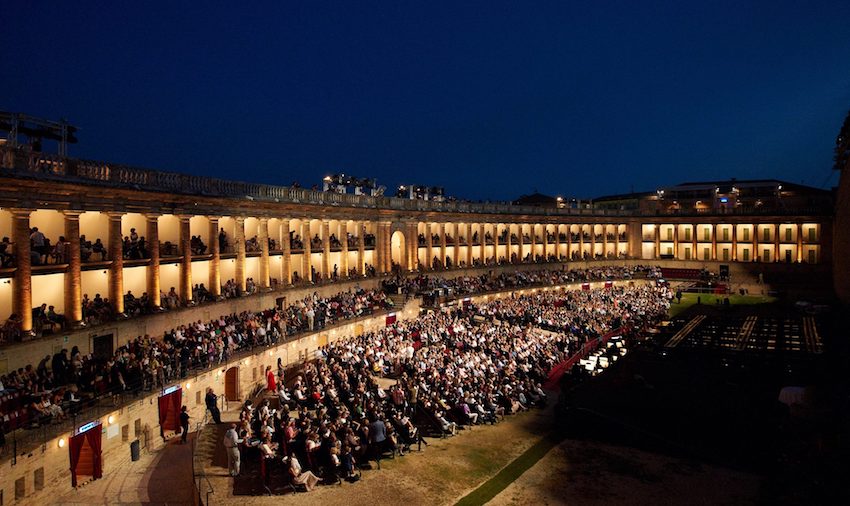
(162, 477)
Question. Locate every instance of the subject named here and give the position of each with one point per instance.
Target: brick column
(116, 268)
(442, 231)
(429, 247)
(73, 279)
(186, 260)
(695, 254)
(569, 242)
(286, 261)
(343, 238)
(545, 242)
(616, 241)
(412, 242)
(734, 243)
(306, 272)
(22, 293)
(482, 243)
(326, 249)
(657, 241)
(215, 263)
(388, 257)
(361, 248)
(508, 244)
(776, 242)
(533, 242)
(593, 241)
(469, 258)
(605, 241)
(558, 242)
(714, 241)
(496, 243)
(676, 241)
(152, 242)
(799, 243)
(263, 237)
(239, 239)
(378, 252)
(520, 244)
(756, 254)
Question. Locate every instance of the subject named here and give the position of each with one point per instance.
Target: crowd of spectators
(424, 284)
(453, 369)
(146, 363)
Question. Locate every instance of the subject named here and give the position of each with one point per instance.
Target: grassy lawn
(689, 299)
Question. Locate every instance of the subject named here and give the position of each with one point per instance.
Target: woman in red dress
(272, 386)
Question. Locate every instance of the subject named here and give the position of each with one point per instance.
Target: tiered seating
(14, 409)
(680, 273)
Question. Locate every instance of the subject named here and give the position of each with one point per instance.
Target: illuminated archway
(397, 249)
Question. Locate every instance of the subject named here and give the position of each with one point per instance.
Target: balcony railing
(49, 166)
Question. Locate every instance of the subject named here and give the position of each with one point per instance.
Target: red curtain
(74, 448)
(163, 413)
(177, 398)
(390, 320)
(93, 436)
(167, 403)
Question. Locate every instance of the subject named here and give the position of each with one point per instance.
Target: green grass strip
(511, 472)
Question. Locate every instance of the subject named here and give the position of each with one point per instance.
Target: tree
(842, 146)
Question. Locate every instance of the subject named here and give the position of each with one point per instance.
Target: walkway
(163, 477)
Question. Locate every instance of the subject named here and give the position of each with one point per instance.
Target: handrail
(45, 165)
(198, 477)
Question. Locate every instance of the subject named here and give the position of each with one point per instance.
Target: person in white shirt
(231, 445)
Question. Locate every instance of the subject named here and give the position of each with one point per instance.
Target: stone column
(429, 246)
(22, 290)
(73, 279)
(326, 249)
(442, 232)
(799, 243)
(361, 248)
(569, 243)
(306, 260)
(239, 239)
(581, 241)
(215, 263)
(263, 238)
(152, 242)
(343, 239)
(185, 260)
(286, 261)
(116, 268)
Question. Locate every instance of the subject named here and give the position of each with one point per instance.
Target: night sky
(488, 99)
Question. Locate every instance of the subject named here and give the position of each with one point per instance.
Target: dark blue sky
(489, 99)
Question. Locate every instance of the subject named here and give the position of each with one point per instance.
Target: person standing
(231, 445)
(184, 423)
(212, 405)
(271, 385)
